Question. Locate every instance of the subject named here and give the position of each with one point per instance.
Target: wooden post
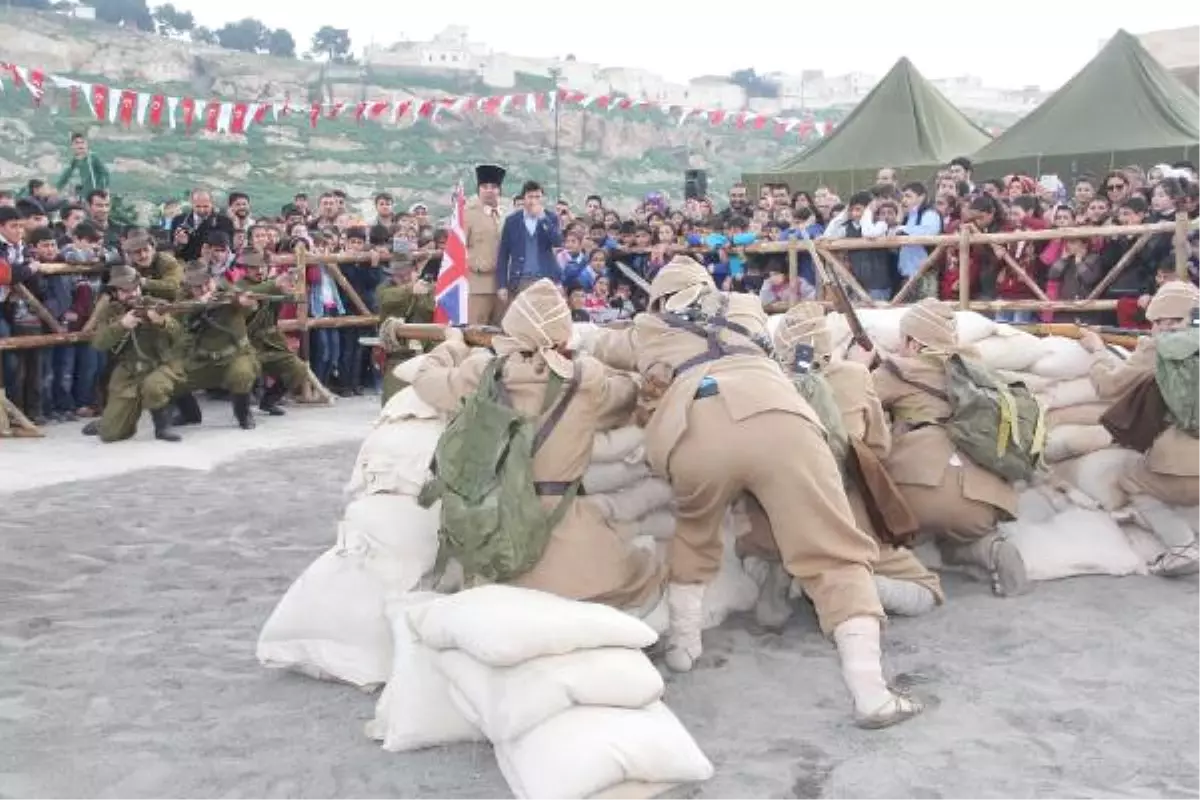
(926, 265)
(793, 258)
(964, 268)
(1011, 264)
(43, 313)
(1119, 267)
(1181, 245)
(97, 312)
(849, 279)
(306, 391)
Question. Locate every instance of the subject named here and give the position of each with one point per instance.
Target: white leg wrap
(862, 669)
(1169, 526)
(685, 605)
(904, 598)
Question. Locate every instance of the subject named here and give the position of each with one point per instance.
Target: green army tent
(904, 123)
(1122, 108)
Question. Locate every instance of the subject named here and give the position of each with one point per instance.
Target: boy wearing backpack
(958, 499)
(508, 468)
(1167, 477)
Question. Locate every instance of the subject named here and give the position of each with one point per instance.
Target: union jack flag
(451, 290)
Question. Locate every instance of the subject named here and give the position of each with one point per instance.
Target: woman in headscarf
(727, 421)
(906, 587)
(952, 497)
(585, 559)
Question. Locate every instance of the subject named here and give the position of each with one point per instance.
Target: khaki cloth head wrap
(931, 323)
(1173, 300)
(538, 321)
(804, 323)
(681, 282)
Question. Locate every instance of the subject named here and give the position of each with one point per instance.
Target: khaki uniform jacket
(164, 277)
(748, 384)
(922, 457)
(1173, 452)
(862, 413)
(483, 246)
(585, 559)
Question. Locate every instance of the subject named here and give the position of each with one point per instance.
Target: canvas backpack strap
(891, 367)
(553, 391)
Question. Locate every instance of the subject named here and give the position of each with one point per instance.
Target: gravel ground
(130, 607)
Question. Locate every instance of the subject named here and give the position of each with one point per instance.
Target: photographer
(189, 231)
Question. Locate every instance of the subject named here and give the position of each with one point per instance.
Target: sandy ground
(130, 606)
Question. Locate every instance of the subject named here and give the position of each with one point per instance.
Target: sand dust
(130, 606)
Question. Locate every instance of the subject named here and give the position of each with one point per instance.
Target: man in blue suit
(528, 242)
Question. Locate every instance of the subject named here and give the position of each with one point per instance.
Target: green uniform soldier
(146, 349)
(161, 275)
(217, 349)
(408, 300)
(270, 345)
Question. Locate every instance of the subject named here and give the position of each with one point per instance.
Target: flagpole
(555, 74)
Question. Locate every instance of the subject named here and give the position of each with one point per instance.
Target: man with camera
(189, 231)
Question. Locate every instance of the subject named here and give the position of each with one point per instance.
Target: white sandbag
(407, 370)
(394, 458)
(634, 502)
(604, 478)
(973, 327)
(506, 702)
(883, 326)
(1015, 351)
(1072, 441)
(619, 444)
(406, 404)
(732, 590)
(330, 624)
(1034, 504)
(583, 334)
(1062, 358)
(395, 537)
(415, 710)
(1034, 383)
(1085, 414)
(588, 749)
(1098, 475)
(659, 524)
(1145, 544)
(505, 625)
(1070, 392)
(1076, 542)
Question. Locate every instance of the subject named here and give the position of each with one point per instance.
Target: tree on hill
(280, 43)
(333, 43)
(247, 35)
(131, 13)
(755, 85)
(203, 35)
(170, 21)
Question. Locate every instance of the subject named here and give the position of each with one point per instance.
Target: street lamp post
(555, 74)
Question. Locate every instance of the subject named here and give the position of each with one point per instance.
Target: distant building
(1177, 49)
(78, 11)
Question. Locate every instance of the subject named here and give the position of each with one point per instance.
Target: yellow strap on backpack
(1009, 427)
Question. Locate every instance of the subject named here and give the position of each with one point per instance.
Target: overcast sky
(1010, 44)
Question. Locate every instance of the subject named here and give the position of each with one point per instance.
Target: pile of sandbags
(561, 688)
(331, 623)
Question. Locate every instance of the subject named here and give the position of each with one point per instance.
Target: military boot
(92, 428)
(270, 399)
(241, 410)
(995, 555)
(188, 410)
(162, 425)
(1182, 555)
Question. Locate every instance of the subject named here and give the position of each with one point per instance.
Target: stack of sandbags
(561, 688)
(619, 482)
(331, 623)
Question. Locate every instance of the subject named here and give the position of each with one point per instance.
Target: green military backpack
(817, 392)
(1177, 373)
(492, 518)
(1000, 426)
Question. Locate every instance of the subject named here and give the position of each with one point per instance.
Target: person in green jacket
(92, 174)
(270, 345)
(409, 300)
(161, 274)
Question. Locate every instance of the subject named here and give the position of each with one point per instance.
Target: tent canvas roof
(1123, 102)
(904, 122)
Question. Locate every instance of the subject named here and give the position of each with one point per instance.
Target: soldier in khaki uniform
(483, 223)
(585, 559)
(145, 347)
(953, 498)
(408, 300)
(161, 275)
(1169, 472)
(722, 408)
(906, 586)
(217, 349)
(275, 358)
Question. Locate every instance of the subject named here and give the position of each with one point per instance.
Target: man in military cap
(145, 346)
(406, 298)
(217, 349)
(160, 274)
(483, 224)
(277, 361)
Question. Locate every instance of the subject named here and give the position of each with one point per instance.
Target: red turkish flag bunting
(335, 110)
(425, 109)
(260, 113)
(760, 122)
(237, 122)
(188, 104)
(314, 114)
(716, 117)
(128, 104)
(158, 104)
(212, 114)
(36, 79)
(100, 101)
(360, 111)
(602, 102)
(377, 109)
(625, 104)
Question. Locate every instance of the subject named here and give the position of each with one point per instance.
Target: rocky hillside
(620, 155)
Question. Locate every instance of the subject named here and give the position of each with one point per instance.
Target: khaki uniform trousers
(236, 376)
(718, 459)
(1174, 490)
(586, 559)
(944, 512)
(898, 563)
(481, 309)
(284, 366)
(130, 394)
